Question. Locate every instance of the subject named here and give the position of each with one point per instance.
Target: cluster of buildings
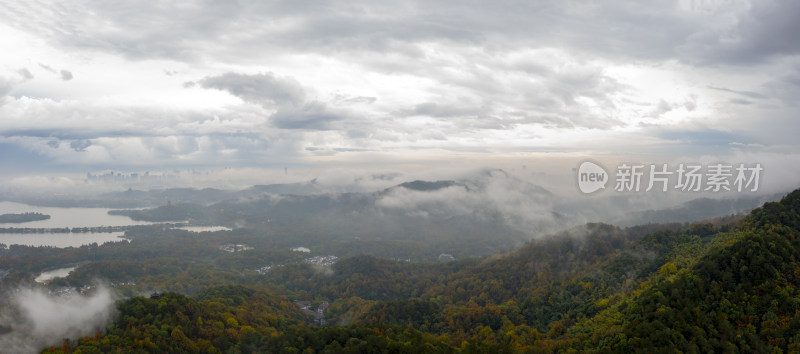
(122, 283)
(325, 261)
(112, 176)
(230, 247)
(446, 257)
(317, 313)
(67, 291)
(265, 269)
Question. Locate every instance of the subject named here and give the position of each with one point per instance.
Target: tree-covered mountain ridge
(730, 284)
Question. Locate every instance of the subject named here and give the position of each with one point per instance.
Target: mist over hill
(722, 283)
(399, 176)
(481, 255)
(491, 207)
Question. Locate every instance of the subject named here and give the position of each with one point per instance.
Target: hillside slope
(730, 284)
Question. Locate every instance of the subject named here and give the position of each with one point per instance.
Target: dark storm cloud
(263, 89)
(284, 94)
(66, 75)
(311, 116)
(80, 145)
(25, 73)
(768, 30)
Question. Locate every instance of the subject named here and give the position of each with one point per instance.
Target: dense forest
(728, 284)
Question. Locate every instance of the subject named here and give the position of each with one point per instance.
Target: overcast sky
(89, 85)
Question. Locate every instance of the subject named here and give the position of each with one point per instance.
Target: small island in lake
(24, 217)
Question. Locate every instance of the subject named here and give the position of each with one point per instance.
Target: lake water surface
(61, 218)
(66, 217)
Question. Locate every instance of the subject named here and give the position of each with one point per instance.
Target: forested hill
(24, 217)
(743, 293)
(730, 284)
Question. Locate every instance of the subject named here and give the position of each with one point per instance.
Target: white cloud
(47, 319)
(336, 83)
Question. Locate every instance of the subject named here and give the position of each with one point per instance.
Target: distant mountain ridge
(490, 200)
(420, 185)
(696, 210)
